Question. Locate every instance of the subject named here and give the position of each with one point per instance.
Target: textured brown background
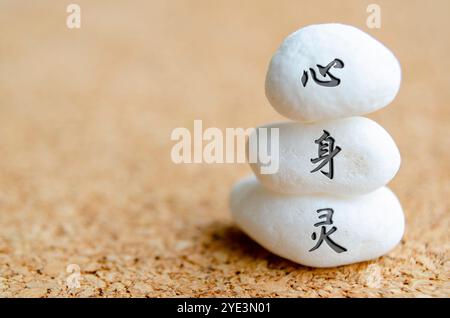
(85, 169)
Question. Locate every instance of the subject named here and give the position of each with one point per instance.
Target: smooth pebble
(369, 74)
(367, 157)
(366, 226)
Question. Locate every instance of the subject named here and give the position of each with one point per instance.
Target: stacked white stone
(327, 205)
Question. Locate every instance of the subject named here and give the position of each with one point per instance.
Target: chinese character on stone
(326, 153)
(329, 80)
(324, 234)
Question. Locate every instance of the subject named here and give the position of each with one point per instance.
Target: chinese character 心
(326, 153)
(324, 235)
(324, 71)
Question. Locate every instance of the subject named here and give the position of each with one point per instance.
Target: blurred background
(86, 176)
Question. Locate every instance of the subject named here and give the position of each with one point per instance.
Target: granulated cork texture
(85, 171)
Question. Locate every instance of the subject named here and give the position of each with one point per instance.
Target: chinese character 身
(324, 71)
(324, 234)
(326, 153)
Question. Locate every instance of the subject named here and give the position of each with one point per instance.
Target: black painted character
(326, 153)
(324, 71)
(324, 235)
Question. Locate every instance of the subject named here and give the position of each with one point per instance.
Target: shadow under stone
(227, 237)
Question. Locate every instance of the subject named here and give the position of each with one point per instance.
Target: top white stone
(369, 78)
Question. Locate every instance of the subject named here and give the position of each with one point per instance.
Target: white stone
(369, 79)
(368, 158)
(367, 226)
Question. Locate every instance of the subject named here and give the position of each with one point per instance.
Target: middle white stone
(346, 156)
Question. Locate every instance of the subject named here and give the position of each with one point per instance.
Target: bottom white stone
(318, 230)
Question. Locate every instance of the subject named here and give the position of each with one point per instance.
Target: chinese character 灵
(324, 234)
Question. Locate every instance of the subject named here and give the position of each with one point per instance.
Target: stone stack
(327, 205)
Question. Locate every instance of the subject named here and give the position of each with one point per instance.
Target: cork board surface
(85, 170)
